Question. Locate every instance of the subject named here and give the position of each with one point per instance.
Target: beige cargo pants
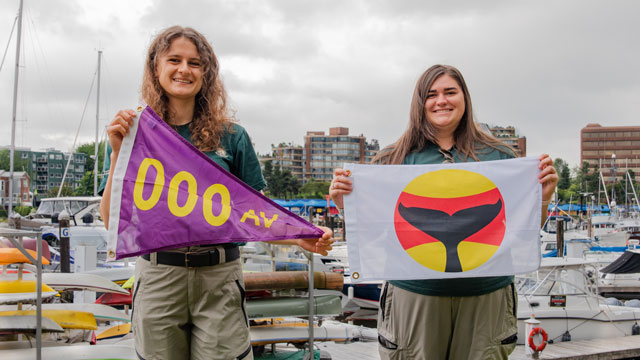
(190, 313)
(414, 326)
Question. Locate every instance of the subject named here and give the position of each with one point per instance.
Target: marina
(67, 285)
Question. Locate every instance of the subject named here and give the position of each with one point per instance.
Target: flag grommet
(112, 254)
(355, 275)
(140, 108)
(348, 172)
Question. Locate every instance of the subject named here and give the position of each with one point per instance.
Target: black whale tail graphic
(451, 230)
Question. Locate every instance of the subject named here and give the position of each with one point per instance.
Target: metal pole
(65, 263)
(39, 299)
(95, 154)
(311, 307)
(15, 108)
(560, 237)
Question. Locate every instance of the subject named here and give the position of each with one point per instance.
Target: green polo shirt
(431, 154)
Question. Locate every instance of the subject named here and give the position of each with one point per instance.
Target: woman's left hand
(319, 246)
(548, 177)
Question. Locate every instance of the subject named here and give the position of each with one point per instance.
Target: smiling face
(445, 105)
(179, 70)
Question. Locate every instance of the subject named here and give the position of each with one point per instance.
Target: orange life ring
(535, 331)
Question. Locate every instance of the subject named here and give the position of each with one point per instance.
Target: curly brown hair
(211, 116)
(468, 137)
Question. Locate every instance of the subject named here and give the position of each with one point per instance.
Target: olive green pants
(190, 313)
(414, 326)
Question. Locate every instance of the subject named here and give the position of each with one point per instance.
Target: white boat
(20, 324)
(562, 296)
(295, 330)
(80, 282)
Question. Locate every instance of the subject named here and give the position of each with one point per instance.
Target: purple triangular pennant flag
(167, 194)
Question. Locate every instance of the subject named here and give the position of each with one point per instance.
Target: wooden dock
(627, 347)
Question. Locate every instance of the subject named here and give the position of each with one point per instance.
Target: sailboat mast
(95, 154)
(15, 108)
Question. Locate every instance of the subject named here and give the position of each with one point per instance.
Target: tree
(315, 189)
(85, 187)
(66, 191)
(89, 150)
(564, 174)
(19, 164)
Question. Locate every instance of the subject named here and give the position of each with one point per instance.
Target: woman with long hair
(461, 318)
(195, 308)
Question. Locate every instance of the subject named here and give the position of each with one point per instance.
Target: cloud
(548, 68)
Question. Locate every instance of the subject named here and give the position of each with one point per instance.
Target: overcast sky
(547, 68)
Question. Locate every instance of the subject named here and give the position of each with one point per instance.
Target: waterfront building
(21, 188)
(509, 136)
(323, 153)
(46, 168)
(288, 157)
(607, 146)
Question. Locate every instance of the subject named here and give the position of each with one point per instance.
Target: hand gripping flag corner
(407, 222)
(167, 194)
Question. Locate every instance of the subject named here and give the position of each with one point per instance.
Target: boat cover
(627, 263)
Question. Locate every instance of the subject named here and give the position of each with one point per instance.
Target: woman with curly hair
(192, 309)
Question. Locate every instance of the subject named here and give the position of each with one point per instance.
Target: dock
(619, 291)
(627, 347)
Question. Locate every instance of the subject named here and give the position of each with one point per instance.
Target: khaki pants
(414, 326)
(190, 313)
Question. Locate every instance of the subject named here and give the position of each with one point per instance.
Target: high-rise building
(604, 146)
(323, 153)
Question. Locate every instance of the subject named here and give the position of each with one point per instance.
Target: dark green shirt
(236, 155)
(431, 154)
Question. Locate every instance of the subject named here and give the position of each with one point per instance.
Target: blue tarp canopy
(303, 205)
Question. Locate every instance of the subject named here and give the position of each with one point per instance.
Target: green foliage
(564, 174)
(89, 150)
(281, 184)
(18, 163)
(66, 191)
(22, 210)
(3, 213)
(315, 189)
(85, 187)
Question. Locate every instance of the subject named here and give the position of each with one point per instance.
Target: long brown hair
(467, 137)
(210, 117)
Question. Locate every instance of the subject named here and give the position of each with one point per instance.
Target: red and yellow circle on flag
(450, 220)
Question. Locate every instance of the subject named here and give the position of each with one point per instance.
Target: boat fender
(635, 329)
(535, 331)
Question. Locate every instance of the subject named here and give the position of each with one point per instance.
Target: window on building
(58, 156)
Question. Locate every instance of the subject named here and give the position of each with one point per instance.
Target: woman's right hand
(119, 127)
(340, 186)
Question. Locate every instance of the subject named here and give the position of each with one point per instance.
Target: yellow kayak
(12, 291)
(115, 332)
(13, 255)
(67, 319)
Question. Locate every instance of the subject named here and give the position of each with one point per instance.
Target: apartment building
(607, 146)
